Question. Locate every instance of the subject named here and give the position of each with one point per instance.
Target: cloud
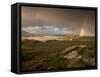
(48, 29)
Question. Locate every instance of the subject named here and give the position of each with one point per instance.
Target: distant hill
(25, 34)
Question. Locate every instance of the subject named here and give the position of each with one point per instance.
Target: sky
(40, 20)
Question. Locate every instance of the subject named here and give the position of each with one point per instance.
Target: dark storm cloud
(70, 19)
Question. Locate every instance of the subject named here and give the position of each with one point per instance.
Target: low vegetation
(36, 55)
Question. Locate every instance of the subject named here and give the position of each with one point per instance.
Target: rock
(71, 55)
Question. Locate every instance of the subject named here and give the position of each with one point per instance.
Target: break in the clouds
(40, 20)
(46, 30)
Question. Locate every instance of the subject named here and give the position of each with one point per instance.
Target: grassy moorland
(53, 54)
